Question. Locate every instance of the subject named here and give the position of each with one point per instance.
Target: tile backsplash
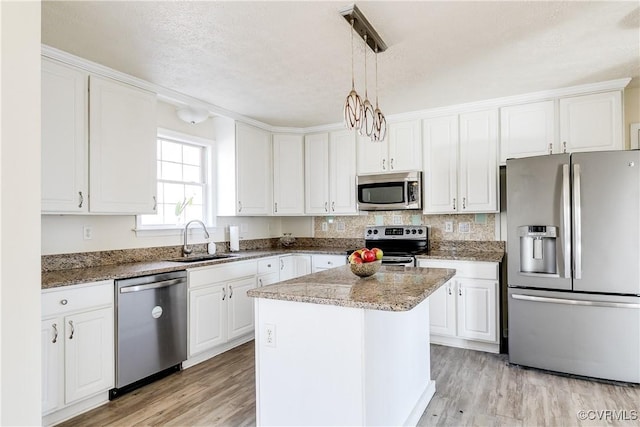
(462, 226)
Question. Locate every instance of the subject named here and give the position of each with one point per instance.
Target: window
(183, 188)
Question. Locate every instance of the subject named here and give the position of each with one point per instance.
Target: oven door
(399, 260)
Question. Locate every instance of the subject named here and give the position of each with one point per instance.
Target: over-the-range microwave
(391, 191)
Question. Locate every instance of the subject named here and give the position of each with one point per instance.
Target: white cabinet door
(288, 174)
(405, 146)
(287, 267)
(316, 173)
(207, 318)
(527, 130)
(64, 154)
(477, 309)
(478, 170)
(342, 172)
(241, 316)
(52, 343)
(302, 265)
(442, 310)
(372, 156)
(253, 173)
(592, 122)
(268, 279)
(89, 353)
(440, 180)
(122, 148)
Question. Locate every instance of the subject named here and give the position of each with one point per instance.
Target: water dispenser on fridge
(538, 250)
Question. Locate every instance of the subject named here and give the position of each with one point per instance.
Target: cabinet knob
(230, 291)
(275, 207)
(326, 206)
(239, 206)
(383, 164)
(81, 198)
(550, 148)
(454, 203)
(224, 294)
(460, 291)
(391, 163)
(55, 333)
(155, 203)
(464, 203)
(564, 146)
(333, 206)
(64, 302)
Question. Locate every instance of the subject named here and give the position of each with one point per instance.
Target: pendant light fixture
(366, 127)
(353, 104)
(358, 114)
(379, 121)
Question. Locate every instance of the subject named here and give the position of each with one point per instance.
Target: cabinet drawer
(328, 261)
(470, 269)
(267, 265)
(220, 273)
(77, 297)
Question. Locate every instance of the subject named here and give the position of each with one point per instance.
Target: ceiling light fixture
(360, 115)
(192, 115)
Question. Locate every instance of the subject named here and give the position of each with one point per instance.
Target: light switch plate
(464, 227)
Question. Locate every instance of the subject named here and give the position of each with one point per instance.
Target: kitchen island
(335, 349)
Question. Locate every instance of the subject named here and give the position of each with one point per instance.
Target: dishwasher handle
(154, 285)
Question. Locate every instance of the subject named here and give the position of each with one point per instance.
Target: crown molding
(179, 99)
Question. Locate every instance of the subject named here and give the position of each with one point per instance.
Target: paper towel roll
(234, 238)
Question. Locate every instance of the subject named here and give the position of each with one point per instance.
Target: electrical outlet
(340, 226)
(464, 227)
(324, 226)
(448, 227)
(87, 232)
(397, 220)
(270, 335)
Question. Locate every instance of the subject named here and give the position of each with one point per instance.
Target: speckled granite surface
(468, 250)
(73, 276)
(392, 288)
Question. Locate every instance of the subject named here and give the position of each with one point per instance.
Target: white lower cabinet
(325, 262)
(220, 312)
(77, 339)
(464, 311)
(292, 266)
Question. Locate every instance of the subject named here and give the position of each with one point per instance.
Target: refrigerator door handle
(577, 224)
(566, 221)
(575, 301)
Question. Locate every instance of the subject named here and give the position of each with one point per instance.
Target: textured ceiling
(289, 63)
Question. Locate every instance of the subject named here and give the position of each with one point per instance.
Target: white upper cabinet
(592, 122)
(64, 156)
(288, 174)
(342, 172)
(400, 151)
(330, 173)
(316, 172)
(253, 173)
(478, 171)
(527, 130)
(122, 148)
(440, 178)
(461, 163)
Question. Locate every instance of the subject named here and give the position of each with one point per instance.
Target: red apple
(378, 253)
(356, 261)
(368, 256)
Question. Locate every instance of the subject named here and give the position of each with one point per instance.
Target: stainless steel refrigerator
(573, 242)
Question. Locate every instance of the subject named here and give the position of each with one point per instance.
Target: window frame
(208, 189)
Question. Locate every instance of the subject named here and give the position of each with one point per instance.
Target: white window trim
(210, 221)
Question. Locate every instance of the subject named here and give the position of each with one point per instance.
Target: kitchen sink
(199, 258)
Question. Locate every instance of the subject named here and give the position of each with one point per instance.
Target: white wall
(63, 233)
(20, 213)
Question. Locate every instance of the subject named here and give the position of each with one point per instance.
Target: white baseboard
(421, 405)
(462, 343)
(75, 409)
(206, 355)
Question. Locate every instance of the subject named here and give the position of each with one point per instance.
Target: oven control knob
(413, 231)
(420, 231)
(375, 231)
(368, 231)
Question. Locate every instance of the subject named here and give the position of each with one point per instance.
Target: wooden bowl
(366, 269)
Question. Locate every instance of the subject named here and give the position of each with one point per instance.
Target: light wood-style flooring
(472, 389)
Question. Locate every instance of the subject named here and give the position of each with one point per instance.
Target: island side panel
(398, 385)
(312, 372)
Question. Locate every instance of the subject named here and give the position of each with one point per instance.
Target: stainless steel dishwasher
(151, 327)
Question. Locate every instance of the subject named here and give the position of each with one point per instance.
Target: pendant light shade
(353, 103)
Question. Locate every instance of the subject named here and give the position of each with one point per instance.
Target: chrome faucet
(186, 250)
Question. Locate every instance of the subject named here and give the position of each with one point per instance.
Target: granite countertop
(73, 276)
(392, 288)
(463, 255)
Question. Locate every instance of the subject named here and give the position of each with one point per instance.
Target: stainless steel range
(400, 243)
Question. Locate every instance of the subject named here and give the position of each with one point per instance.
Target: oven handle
(155, 285)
